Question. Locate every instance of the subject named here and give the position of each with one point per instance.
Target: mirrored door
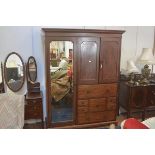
(61, 74)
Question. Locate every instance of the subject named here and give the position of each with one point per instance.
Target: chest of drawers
(137, 98)
(96, 103)
(33, 106)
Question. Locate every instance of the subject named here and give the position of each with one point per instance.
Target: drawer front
(111, 103)
(97, 91)
(33, 115)
(95, 117)
(33, 111)
(82, 110)
(83, 118)
(110, 115)
(37, 107)
(151, 96)
(96, 105)
(82, 103)
(34, 101)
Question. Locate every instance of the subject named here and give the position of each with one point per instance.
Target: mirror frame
(5, 73)
(2, 90)
(28, 69)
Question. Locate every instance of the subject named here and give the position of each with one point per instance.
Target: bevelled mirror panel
(32, 69)
(14, 71)
(61, 71)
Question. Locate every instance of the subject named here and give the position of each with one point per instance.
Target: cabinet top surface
(53, 30)
(131, 85)
(34, 96)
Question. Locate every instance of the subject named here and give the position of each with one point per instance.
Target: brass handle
(82, 103)
(88, 92)
(101, 66)
(34, 101)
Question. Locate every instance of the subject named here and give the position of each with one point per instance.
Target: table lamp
(146, 58)
(131, 69)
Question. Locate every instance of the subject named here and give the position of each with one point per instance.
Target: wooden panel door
(138, 97)
(88, 60)
(109, 60)
(151, 96)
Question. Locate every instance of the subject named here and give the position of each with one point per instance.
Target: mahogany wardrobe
(82, 77)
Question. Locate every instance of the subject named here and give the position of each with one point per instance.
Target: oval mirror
(32, 69)
(14, 71)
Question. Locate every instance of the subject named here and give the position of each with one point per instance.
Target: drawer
(95, 117)
(82, 110)
(110, 115)
(34, 101)
(37, 107)
(111, 103)
(33, 111)
(83, 118)
(151, 96)
(97, 91)
(96, 105)
(82, 103)
(33, 115)
(102, 116)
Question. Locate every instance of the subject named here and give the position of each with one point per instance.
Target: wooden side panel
(138, 97)
(88, 60)
(151, 96)
(109, 60)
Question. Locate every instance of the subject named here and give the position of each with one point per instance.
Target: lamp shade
(146, 57)
(131, 67)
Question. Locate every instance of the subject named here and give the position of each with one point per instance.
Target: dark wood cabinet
(96, 59)
(34, 106)
(137, 99)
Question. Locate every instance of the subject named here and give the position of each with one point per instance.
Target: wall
(29, 41)
(16, 39)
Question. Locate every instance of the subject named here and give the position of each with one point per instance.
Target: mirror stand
(33, 87)
(33, 97)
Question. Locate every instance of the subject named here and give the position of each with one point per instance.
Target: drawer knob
(88, 92)
(34, 101)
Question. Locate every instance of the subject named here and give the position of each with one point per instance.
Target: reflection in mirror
(32, 69)
(14, 71)
(61, 71)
